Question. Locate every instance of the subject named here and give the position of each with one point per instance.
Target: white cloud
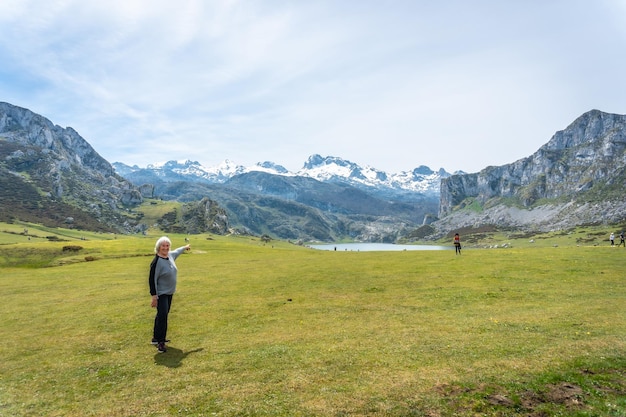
(456, 85)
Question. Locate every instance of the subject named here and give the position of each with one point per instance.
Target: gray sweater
(163, 272)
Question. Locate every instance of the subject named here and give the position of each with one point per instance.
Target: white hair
(161, 241)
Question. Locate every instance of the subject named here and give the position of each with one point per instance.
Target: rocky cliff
(51, 174)
(577, 177)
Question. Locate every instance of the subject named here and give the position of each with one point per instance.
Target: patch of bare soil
(567, 394)
(499, 399)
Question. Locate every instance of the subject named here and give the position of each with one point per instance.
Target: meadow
(274, 329)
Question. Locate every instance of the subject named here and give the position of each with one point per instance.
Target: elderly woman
(162, 281)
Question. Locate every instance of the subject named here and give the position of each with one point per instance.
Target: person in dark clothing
(457, 244)
(162, 282)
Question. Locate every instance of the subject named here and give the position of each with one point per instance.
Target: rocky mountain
(179, 171)
(332, 169)
(302, 208)
(51, 175)
(328, 199)
(328, 169)
(577, 178)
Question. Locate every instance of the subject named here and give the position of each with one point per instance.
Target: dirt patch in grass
(595, 390)
(563, 394)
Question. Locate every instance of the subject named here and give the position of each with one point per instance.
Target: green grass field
(280, 330)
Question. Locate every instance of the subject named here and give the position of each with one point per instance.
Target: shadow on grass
(173, 358)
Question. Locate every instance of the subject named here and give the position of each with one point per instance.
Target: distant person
(457, 244)
(162, 282)
(612, 239)
(621, 239)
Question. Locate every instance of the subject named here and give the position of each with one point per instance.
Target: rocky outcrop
(196, 217)
(581, 167)
(24, 127)
(543, 218)
(147, 190)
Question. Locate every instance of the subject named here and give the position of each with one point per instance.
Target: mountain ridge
(577, 177)
(325, 169)
(51, 174)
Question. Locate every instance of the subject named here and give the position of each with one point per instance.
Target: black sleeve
(151, 282)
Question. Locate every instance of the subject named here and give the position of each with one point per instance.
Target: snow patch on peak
(270, 168)
(325, 169)
(421, 179)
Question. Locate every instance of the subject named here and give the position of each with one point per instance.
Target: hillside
(577, 178)
(51, 175)
(300, 208)
(329, 199)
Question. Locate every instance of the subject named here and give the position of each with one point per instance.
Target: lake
(369, 247)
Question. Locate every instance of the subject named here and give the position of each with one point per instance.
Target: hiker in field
(621, 239)
(612, 239)
(457, 244)
(162, 282)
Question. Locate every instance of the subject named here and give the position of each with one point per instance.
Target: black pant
(164, 303)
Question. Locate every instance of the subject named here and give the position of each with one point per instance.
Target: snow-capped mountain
(177, 170)
(324, 169)
(333, 169)
(329, 198)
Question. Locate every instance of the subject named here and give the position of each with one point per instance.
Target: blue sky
(458, 85)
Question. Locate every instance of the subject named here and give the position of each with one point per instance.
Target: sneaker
(156, 342)
(161, 347)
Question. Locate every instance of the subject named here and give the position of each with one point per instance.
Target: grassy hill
(273, 329)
